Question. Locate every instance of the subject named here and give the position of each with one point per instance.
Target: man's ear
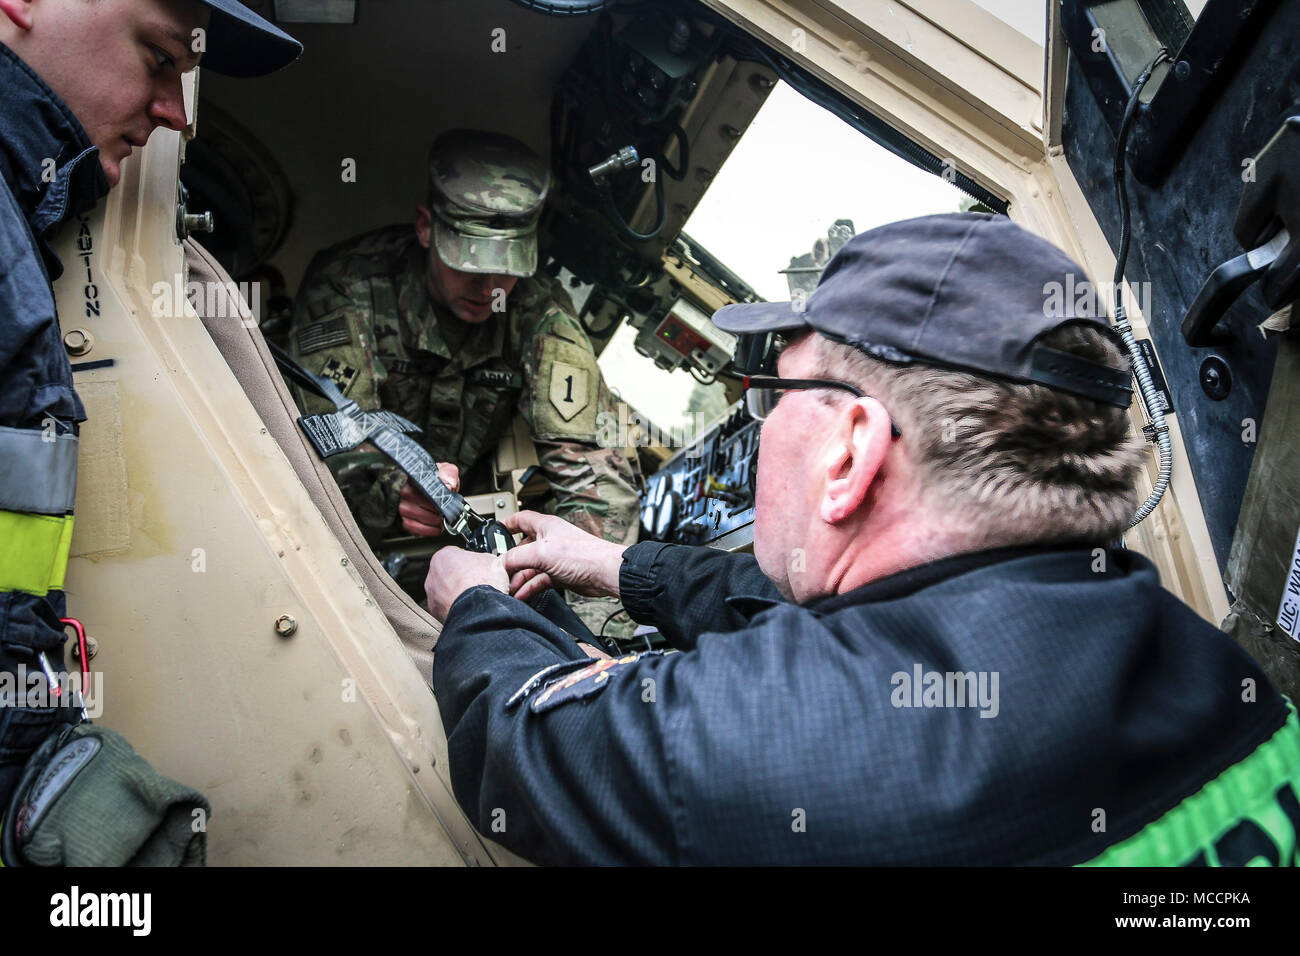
(19, 12)
(423, 221)
(861, 441)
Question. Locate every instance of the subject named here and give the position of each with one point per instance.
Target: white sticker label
(1288, 613)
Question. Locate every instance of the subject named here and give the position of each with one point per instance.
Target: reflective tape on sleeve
(38, 470)
(34, 557)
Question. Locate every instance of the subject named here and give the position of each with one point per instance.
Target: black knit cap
(970, 291)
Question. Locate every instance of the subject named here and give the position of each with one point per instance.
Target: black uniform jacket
(49, 172)
(977, 710)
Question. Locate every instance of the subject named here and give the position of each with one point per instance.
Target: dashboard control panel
(706, 490)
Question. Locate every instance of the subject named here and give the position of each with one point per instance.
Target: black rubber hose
(683, 154)
(1121, 149)
(621, 224)
(1159, 428)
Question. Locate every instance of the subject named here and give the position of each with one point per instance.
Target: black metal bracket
(1114, 39)
(1268, 226)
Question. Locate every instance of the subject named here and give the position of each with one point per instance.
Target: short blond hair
(1020, 462)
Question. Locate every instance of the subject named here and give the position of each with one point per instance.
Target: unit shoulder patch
(569, 394)
(566, 386)
(592, 679)
(341, 373)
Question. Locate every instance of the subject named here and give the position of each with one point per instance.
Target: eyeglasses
(762, 392)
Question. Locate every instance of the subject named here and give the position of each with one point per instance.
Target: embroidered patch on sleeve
(321, 335)
(583, 683)
(569, 394)
(539, 678)
(341, 373)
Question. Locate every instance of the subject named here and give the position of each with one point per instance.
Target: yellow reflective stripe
(34, 556)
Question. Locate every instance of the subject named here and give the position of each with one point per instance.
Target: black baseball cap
(969, 291)
(240, 43)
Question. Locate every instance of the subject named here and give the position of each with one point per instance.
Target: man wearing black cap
(934, 655)
(85, 82)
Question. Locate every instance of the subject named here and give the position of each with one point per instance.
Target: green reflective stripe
(35, 553)
(1253, 804)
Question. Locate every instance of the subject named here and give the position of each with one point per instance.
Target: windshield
(797, 172)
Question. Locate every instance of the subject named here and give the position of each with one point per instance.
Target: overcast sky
(797, 169)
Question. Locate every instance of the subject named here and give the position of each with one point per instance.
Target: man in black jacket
(84, 82)
(933, 656)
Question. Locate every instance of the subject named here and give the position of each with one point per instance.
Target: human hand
(453, 571)
(418, 514)
(556, 554)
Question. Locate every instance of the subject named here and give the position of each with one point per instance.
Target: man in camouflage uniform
(448, 326)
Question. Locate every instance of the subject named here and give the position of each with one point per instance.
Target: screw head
(285, 625)
(78, 341)
(1216, 378)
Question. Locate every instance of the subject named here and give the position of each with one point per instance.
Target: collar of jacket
(908, 581)
(434, 328)
(35, 126)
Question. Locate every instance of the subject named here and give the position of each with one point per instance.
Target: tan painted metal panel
(321, 747)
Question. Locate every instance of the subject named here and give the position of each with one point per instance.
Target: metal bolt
(198, 222)
(78, 341)
(92, 648)
(501, 502)
(285, 625)
(1182, 69)
(1216, 378)
(344, 562)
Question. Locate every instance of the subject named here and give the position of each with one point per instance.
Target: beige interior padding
(244, 349)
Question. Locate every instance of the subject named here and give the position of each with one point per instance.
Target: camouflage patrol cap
(486, 192)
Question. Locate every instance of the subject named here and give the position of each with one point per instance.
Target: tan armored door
(238, 649)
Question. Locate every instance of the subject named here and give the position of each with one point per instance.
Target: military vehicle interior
(205, 510)
(639, 111)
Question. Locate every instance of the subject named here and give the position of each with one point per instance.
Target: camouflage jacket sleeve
(567, 406)
(333, 336)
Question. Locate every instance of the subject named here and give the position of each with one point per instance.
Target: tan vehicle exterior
(249, 644)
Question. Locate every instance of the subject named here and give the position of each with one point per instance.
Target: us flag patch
(321, 335)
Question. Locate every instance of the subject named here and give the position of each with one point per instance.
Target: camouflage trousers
(604, 617)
